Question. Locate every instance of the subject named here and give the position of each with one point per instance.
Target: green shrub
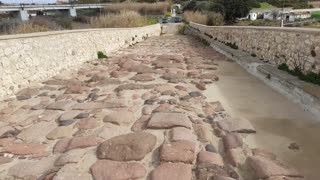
(101, 55)
(65, 23)
(309, 77)
(181, 29)
(209, 35)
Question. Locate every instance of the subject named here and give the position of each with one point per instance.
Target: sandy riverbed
(278, 121)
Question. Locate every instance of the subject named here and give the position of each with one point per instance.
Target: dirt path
(279, 121)
(140, 114)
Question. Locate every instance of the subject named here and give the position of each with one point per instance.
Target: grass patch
(101, 55)
(209, 18)
(316, 15)
(265, 5)
(30, 28)
(309, 77)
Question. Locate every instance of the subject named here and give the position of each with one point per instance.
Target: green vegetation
(265, 5)
(66, 23)
(232, 45)
(258, 22)
(296, 4)
(101, 55)
(309, 77)
(316, 15)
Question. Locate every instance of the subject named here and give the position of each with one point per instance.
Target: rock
(263, 153)
(72, 156)
(265, 168)
(235, 157)
(61, 132)
(180, 134)
(4, 160)
(66, 122)
(238, 125)
(31, 168)
(127, 147)
(69, 115)
(37, 132)
(94, 105)
(294, 146)
(120, 117)
(143, 77)
(112, 170)
(172, 171)
(49, 115)
(23, 97)
(211, 108)
(231, 141)
(6, 141)
(149, 102)
(209, 159)
(61, 105)
(83, 142)
(134, 86)
(181, 88)
(88, 123)
(82, 115)
(201, 86)
(119, 74)
(211, 148)
(147, 110)
(28, 92)
(25, 149)
(204, 135)
(140, 124)
(195, 94)
(72, 172)
(180, 151)
(74, 90)
(61, 146)
(169, 120)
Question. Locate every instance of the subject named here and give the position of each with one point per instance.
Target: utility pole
(282, 14)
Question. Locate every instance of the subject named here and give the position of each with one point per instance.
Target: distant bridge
(72, 8)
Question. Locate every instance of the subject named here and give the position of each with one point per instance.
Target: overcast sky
(28, 1)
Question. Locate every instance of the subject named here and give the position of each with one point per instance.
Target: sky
(28, 1)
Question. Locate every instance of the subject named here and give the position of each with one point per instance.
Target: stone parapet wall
(297, 47)
(29, 58)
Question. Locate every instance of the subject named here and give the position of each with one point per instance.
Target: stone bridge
(158, 108)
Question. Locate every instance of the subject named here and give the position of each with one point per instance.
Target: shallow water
(278, 121)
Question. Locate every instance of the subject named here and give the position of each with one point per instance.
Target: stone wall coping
(49, 33)
(264, 28)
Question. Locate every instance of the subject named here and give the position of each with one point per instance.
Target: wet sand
(278, 120)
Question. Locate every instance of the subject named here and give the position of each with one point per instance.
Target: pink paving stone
(172, 171)
(83, 142)
(113, 170)
(25, 149)
(209, 159)
(169, 120)
(180, 151)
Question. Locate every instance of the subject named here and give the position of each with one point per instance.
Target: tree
(237, 8)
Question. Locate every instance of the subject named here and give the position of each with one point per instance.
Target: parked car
(177, 19)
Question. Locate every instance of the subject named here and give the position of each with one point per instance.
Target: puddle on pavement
(278, 121)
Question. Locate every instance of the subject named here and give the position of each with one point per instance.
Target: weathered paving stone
(37, 132)
(210, 148)
(4, 160)
(209, 159)
(263, 153)
(120, 117)
(72, 172)
(239, 125)
(83, 142)
(132, 146)
(61, 132)
(68, 115)
(25, 149)
(74, 90)
(33, 169)
(82, 115)
(143, 77)
(195, 94)
(66, 122)
(61, 105)
(235, 157)
(172, 171)
(112, 170)
(141, 123)
(61, 146)
(72, 156)
(180, 151)
(96, 105)
(169, 120)
(265, 168)
(204, 135)
(231, 141)
(87, 123)
(181, 133)
(211, 108)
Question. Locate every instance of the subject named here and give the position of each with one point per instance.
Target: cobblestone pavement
(139, 114)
